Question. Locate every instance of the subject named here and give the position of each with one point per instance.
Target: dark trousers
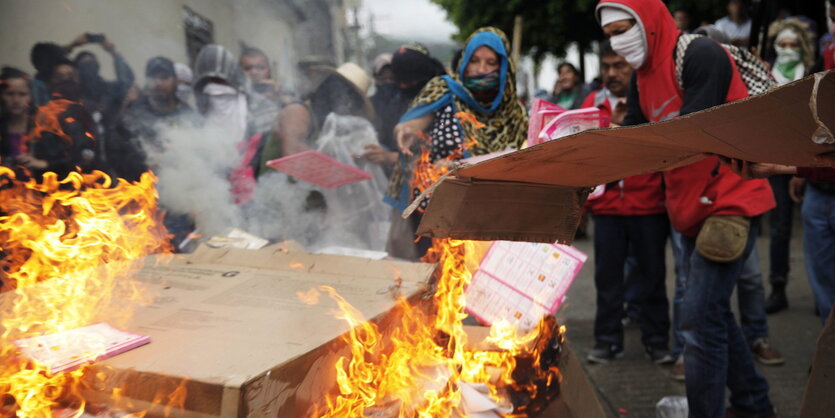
(647, 237)
(780, 224)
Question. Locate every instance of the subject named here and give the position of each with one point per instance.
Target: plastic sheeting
(353, 216)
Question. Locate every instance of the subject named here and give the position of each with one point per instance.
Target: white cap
(611, 14)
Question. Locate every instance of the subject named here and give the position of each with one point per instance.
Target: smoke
(194, 171)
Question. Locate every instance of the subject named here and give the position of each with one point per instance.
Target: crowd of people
(418, 106)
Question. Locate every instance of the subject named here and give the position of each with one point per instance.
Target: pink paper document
(542, 112)
(573, 121)
(68, 350)
(319, 169)
(520, 282)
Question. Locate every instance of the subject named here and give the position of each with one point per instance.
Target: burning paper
(520, 282)
(68, 350)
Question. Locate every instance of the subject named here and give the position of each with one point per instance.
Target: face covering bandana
(227, 109)
(482, 82)
(788, 66)
(631, 46)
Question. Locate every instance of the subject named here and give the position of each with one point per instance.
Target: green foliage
(549, 26)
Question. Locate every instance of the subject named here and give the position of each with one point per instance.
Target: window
(199, 32)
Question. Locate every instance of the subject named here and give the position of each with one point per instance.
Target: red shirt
(633, 196)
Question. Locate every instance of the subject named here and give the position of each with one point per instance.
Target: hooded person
(793, 48)
(483, 86)
(412, 67)
(244, 119)
(704, 200)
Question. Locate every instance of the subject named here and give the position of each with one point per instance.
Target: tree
(549, 26)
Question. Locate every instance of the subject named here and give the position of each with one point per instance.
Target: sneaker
(604, 353)
(660, 355)
(677, 371)
(766, 354)
(777, 301)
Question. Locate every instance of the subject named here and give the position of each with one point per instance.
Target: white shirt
(734, 30)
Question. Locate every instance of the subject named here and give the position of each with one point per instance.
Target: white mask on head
(631, 46)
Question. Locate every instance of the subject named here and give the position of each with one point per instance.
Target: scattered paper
(477, 403)
(68, 350)
(520, 282)
(237, 238)
(353, 252)
(319, 169)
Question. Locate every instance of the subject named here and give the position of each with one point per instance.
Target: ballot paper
(573, 121)
(68, 350)
(520, 282)
(542, 112)
(319, 169)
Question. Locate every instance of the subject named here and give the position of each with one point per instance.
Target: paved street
(635, 385)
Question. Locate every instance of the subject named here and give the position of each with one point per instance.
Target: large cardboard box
(228, 325)
(535, 194)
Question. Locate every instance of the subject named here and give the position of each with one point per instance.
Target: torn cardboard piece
(550, 179)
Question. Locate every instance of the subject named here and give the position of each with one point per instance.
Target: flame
(67, 250)
(416, 370)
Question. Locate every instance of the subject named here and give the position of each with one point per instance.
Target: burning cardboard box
(233, 334)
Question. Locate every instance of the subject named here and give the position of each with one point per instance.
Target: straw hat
(356, 76)
(360, 81)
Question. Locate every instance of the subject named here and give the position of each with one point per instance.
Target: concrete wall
(142, 29)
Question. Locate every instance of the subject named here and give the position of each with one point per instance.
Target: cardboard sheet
(777, 126)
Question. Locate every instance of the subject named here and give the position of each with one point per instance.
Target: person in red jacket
(629, 219)
(707, 203)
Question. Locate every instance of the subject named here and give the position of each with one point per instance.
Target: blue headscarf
(488, 37)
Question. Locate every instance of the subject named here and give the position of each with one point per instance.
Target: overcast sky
(417, 20)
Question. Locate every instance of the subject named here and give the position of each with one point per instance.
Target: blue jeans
(780, 221)
(675, 242)
(751, 297)
(819, 246)
(644, 237)
(715, 353)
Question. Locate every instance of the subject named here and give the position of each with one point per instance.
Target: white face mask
(787, 55)
(631, 46)
(227, 109)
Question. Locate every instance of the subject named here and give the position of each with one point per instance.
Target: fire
(67, 249)
(418, 370)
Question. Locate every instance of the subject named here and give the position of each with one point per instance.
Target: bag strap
(681, 49)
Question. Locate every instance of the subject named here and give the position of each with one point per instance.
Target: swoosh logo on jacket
(656, 112)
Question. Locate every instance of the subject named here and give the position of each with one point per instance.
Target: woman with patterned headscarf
(483, 86)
